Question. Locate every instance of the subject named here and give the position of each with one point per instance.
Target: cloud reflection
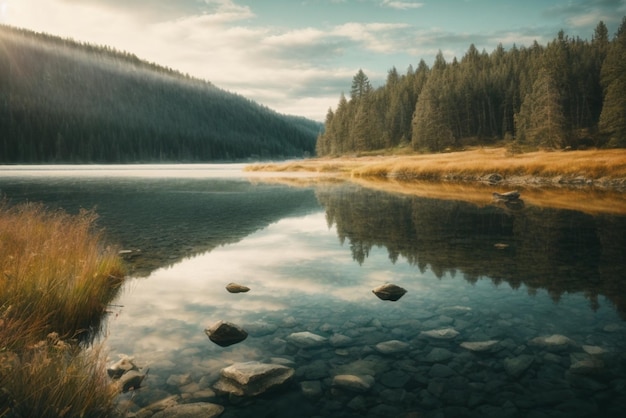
(293, 264)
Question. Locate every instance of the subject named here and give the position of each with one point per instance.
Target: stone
(306, 339)
(390, 292)
(440, 334)
(516, 366)
(252, 378)
(440, 371)
(340, 340)
(438, 355)
(479, 346)
(179, 379)
(131, 380)
(594, 350)
(191, 410)
(311, 388)
(553, 342)
(392, 347)
(225, 334)
(237, 288)
(353, 383)
(587, 366)
(123, 365)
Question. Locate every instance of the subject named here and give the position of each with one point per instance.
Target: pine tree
(613, 117)
(541, 121)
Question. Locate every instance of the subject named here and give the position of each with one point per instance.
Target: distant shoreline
(603, 169)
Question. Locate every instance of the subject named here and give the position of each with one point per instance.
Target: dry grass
(593, 164)
(56, 278)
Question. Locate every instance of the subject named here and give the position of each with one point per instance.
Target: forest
(568, 94)
(63, 101)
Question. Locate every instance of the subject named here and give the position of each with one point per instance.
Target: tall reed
(56, 279)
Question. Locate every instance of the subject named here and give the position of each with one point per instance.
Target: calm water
(312, 255)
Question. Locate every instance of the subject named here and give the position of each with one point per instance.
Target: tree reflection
(556, 250)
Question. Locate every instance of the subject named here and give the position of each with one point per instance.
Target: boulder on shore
(389, 292)
(225, 333)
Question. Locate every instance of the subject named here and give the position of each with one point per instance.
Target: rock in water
(479, 346)
(440, 334)
(517, 365)
(225, 333)
(306, 339)
(389, 292)
(199, 409)
(237, 288)
(353, 383)
(252, 378)
(555, 342)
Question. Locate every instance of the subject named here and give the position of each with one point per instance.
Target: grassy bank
(605, 168)
(56, 280)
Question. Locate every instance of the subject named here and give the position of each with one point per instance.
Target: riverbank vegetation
(67, 102)
(590, 167)
(568, 93)
(56, 279)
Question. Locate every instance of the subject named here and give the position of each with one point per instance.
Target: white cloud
(402, 5)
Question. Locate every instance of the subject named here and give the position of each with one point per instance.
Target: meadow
(538, 167)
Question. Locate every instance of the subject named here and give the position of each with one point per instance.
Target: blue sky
(297, 56)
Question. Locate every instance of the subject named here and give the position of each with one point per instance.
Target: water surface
(312, 255)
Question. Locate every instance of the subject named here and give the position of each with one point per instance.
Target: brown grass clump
(56, 280)
(469, 165)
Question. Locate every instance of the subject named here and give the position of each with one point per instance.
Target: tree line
(568, 93)
(64, 101)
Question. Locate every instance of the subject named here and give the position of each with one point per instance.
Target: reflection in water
(162, 220)
(560, 251)
(312, 268)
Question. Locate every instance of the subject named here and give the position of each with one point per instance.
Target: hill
(64, 101)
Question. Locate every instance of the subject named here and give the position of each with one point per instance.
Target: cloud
(587, 14)
(402, 5)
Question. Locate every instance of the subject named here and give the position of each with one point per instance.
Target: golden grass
(424, 175)
(593, 164)
(56, 278)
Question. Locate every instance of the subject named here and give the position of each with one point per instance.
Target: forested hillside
(568, 93)
(62, 101)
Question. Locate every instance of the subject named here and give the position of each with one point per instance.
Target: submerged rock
(123, 365)
(517, 365)
(353, 383)
(389, 292)
(252, 378)
(237, 288)
(478, 346)
(392, 347)
(199, 409)
(225, 333)
(553, 342)
(306, 339)
(440, 334)
(131, 380)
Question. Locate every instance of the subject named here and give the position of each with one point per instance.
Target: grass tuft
(56, 279)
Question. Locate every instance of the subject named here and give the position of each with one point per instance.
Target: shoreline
(593, 169)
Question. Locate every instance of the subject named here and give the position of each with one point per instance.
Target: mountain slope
(61, 101)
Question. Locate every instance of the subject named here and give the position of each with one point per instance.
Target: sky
(297, 56)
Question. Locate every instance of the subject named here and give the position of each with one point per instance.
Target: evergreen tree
(541, 121)
(613, 117)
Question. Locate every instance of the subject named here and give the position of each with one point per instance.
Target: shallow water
(312, 256)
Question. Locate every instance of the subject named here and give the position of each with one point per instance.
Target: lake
(508, 311)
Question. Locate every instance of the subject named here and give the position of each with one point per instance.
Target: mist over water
(311, 257)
